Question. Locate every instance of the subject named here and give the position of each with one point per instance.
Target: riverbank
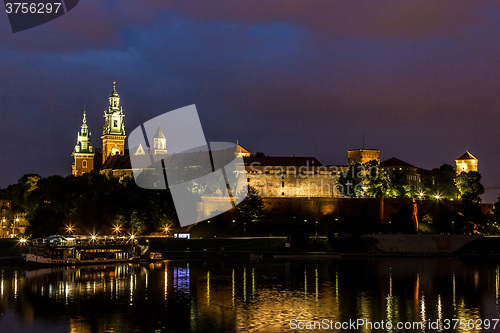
(366, 245)
(316, 247)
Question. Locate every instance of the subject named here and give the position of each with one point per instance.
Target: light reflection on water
(241, 295)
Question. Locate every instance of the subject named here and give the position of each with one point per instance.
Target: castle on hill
(285, 177)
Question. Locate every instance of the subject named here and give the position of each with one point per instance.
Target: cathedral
(113, 154)
(114, 159)
(86, 157)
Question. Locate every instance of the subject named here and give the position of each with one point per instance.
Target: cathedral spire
(113, 124)
(83, 141)
(113, 132)
(84, 151)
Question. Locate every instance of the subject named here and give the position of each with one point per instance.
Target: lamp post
(390, 227)
(316, 228)
(116, 229)
(438, 197)
(14, 226)
(70, 229)
(452, 227)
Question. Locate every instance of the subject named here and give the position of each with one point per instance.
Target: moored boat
(82, 250)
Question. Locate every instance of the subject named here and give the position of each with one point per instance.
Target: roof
(467, 156)
(117, 162)
(364, 149)
(425, 172)
(159, 133)
(395, 162)
(282, 161)
(242, 150)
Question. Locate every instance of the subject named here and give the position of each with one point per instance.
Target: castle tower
(466, 163)
(113, 134)
(84, 151)
(362, 156)
(159, 142)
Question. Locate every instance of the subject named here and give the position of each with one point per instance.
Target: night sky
(420, 78)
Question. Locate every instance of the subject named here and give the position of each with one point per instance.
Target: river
(421, 294)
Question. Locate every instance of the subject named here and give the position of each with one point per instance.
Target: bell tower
(159, 142)
(113, 134)
(465, 163)
(84, 151)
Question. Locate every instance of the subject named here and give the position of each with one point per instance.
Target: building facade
(291, 177)
(411, 175)
(466, 162)
(11, 223)
(362, 156)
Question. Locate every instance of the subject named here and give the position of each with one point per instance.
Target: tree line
(90, 204)
(370, 180)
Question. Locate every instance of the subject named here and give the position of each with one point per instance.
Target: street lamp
(452, 227)
(14, 226)
(437, 197)
(70, 228)
(390, 227)
(166, 228)
(116, 229)
(316, 228)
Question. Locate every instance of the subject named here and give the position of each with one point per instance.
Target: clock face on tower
(115, 150)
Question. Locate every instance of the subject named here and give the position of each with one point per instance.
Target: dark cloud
(419, 78)
(98, 24)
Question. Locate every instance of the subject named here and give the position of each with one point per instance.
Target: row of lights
(422, 194)
(116, 229)
(5, 221)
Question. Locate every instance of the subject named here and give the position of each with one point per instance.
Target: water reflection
(236, 296)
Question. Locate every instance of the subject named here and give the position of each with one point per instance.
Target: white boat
(83, 250)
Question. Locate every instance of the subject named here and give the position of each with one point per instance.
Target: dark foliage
(90, 203)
